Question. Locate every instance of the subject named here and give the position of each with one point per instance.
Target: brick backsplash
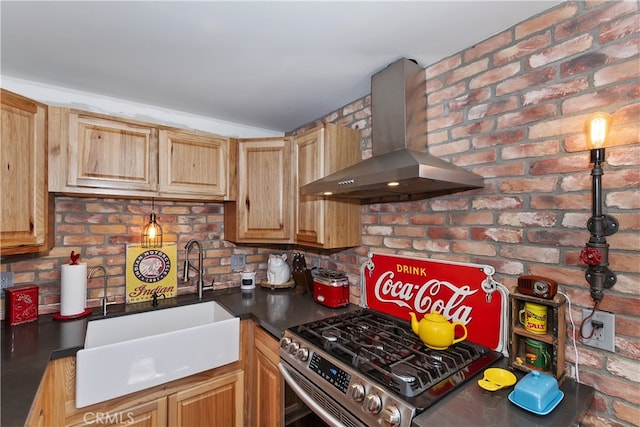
(510, 108)
(100, 229)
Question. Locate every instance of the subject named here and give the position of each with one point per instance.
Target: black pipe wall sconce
(596, 252)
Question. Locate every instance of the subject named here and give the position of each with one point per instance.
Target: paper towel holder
(81, 270)
(86, 312)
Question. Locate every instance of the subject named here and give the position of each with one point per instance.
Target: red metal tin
(22, 304)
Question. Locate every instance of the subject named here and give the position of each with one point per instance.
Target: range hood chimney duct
(400, 168)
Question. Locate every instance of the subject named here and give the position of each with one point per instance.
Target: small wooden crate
(555, 336)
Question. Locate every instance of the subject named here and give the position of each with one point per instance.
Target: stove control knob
(391, 416)
(293, 348)
(302, 354)
(356, 392)
(284, 343)
(373, 403)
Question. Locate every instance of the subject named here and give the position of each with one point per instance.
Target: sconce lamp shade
(152, 233)
(596, 129)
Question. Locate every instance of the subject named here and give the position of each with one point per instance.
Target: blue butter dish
(537, 392)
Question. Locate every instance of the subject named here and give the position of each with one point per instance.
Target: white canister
(248, 280)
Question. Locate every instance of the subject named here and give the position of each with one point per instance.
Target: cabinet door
(263, 211)
(309, 155)
(217, 402)
(323, 222)
(193, 163)
(150, 414)
(108, 153)
(267, 410)
(26, 225)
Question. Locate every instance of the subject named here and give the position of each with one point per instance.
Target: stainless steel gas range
(365, 368)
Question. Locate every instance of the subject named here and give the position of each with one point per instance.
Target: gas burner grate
(386, 350)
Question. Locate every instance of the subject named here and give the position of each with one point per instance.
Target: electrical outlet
(6, 280)
(571, 371)
(238, 262)
(604, 337)
(316, 263)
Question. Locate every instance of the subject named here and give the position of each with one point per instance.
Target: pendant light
(152, 232)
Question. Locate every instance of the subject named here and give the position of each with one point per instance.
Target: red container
(22, 304)
(331, 292)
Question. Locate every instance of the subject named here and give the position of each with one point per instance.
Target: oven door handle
(320, 411)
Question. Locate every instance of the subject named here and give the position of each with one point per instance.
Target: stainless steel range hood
(400, 168)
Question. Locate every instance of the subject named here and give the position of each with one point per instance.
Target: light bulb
(596, 129)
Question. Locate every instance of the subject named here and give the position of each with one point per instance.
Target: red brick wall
(99, 230)
(512, 108)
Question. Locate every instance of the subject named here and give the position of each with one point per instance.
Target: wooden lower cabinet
(150, 414)
(248, 392)
(211, 398)
(267, 401)
(217, 402)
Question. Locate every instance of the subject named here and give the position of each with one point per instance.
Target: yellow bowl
(496, 378)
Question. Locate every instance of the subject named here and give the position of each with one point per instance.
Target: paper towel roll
(73, 289)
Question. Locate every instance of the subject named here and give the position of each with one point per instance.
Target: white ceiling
(273, 65)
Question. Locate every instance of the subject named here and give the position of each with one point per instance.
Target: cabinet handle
(281, 226)
(247, 204)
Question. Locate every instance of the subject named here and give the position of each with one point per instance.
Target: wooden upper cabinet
(322, 222)
(108, 153)
(309, 155)
(193, 163)
(263, 211)
(26, 223)
(93, 154)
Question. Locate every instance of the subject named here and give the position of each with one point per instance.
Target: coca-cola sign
(461, 292)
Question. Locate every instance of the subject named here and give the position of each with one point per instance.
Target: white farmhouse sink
(129, 353)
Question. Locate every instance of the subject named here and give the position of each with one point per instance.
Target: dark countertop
(27, 348)
(276, 310)
(470, 405)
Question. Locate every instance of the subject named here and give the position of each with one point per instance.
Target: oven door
(306, 404)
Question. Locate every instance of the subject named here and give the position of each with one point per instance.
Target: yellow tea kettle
(436, 331)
